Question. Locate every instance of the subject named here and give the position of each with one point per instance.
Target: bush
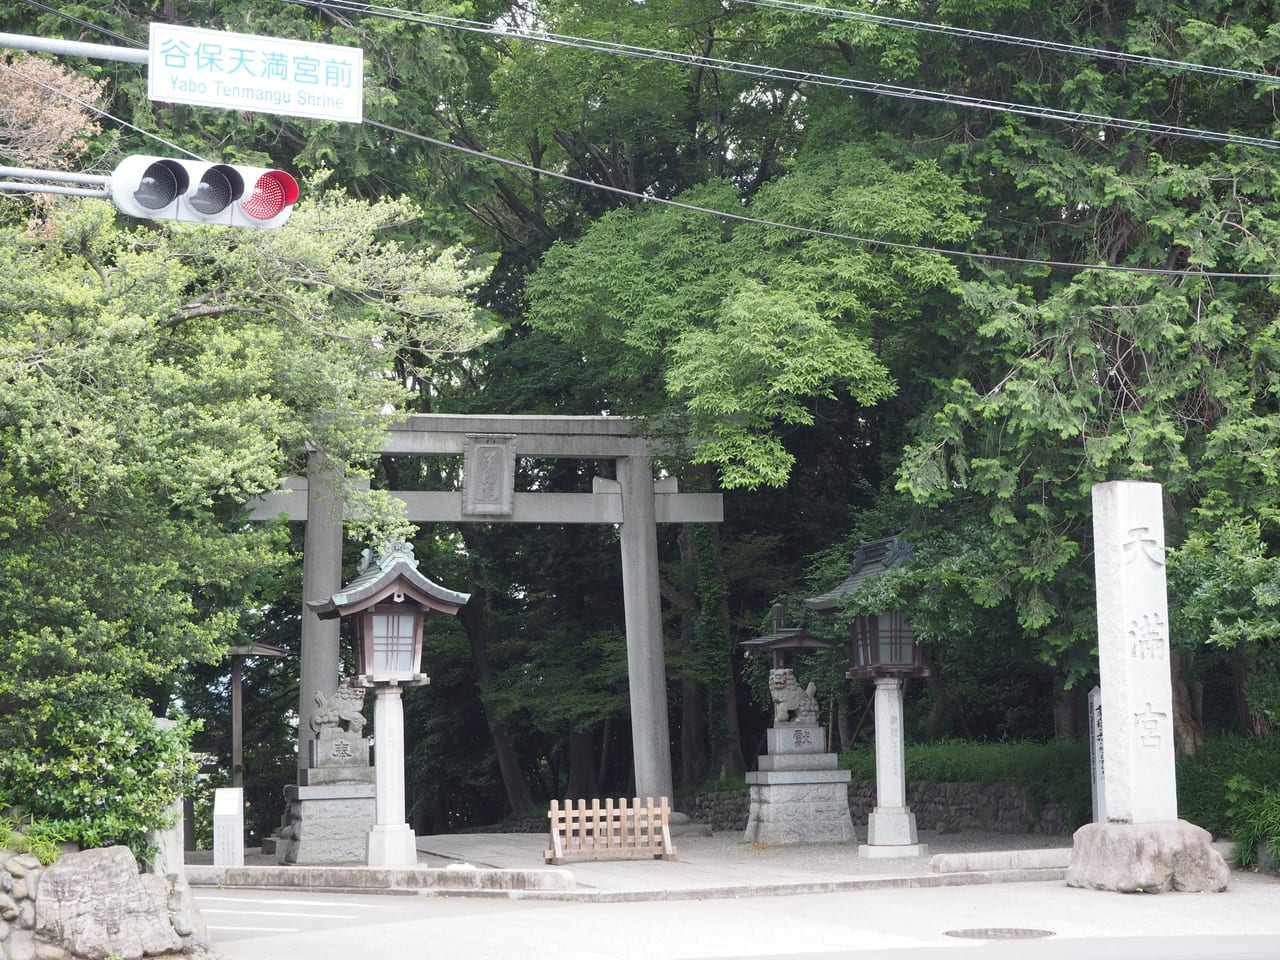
(42, 840)
(98, 777)
(1232, 789)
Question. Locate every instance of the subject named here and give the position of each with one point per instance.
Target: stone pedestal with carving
(798, 795)
(330, 812)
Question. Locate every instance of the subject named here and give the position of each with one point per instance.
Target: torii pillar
(646, 659)
(321, 577)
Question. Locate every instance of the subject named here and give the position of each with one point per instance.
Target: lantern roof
(874, 558)
(255, 650)
(784, 638)
(393, 571)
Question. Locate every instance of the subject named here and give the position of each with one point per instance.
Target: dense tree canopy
(869, 313)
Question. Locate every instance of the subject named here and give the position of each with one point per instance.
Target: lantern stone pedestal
(331, 810)
(891, 826)
(798, 795)
(391, 841)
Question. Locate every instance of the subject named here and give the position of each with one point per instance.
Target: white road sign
(239, 71)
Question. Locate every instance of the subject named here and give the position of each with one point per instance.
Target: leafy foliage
(752, 323)
(151, 380)
(151, 383)
(98, 776)
(1232, 790)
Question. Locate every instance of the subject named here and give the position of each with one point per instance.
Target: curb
(453, 879)
(559, 884)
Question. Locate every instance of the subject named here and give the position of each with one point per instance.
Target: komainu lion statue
(341, 709)
(791, 702)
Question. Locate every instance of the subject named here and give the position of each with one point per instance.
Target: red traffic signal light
(159, 188)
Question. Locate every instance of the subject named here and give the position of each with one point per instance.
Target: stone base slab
(799, 777)
(332, 791)
(392, 845)
(328, 776)
(1146, 858)
(327, 823)
(799, 810)
(799, 761)
(891, 827)
(889, 852)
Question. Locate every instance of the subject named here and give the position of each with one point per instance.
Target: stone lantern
(798, 795)
(884, 650)
(388, 604)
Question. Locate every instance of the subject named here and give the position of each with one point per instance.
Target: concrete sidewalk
(511, 865)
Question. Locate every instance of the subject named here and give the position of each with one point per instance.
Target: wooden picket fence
(610, 832)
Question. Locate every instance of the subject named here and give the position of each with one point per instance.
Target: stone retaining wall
(949, 807)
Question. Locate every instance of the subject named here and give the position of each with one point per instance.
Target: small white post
(1097, 757)
(228, 827)
(391, 842)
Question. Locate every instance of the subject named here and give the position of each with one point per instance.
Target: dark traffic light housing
(195, 191)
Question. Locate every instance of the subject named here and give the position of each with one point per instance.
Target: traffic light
(158, 188)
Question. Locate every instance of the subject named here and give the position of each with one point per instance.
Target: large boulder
(96, 904)
(1146, 858)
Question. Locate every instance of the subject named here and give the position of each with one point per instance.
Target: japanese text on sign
(240, 71)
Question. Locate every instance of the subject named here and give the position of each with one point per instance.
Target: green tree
(152, 381)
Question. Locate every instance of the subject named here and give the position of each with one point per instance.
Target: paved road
(903, 923)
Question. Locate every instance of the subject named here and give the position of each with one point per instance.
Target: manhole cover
(1000, 933)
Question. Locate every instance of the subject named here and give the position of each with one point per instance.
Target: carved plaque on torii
(488, 475)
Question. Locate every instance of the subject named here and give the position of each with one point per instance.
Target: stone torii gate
(490, 446)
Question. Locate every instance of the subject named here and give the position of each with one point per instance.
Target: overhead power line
(761, 71)
(1181, 66)
(724, 215)
(814, 231)
(810, 78)
(84, 23)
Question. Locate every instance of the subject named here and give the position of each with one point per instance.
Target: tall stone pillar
(321, 577)
(646, 659)
(1133, 653)
(1142, 846)
(891, 826)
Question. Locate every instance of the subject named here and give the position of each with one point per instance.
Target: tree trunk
(606, 737)
(1188, 727)
(1249, 722)
(582, 783)
(939, 699)
(519, 798)
(694, 735)
(1066, 709)
(732, 763)
(842, 717)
